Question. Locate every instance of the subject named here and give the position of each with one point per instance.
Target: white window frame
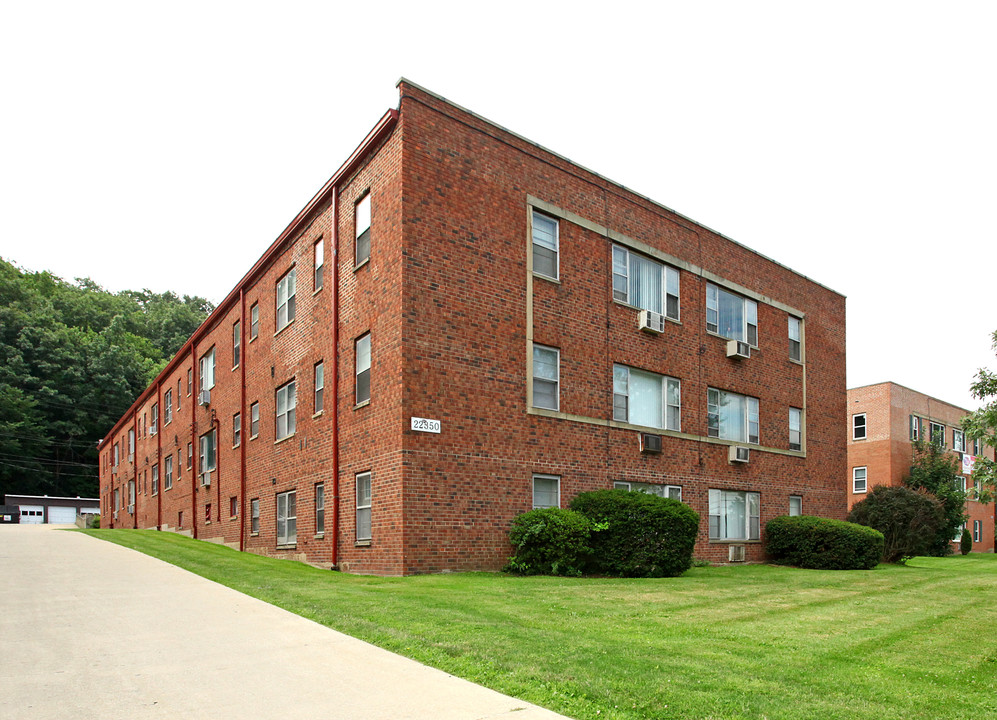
(362, 219)
(285, 299)
(287, 518)
(672, 492)
(934, 428)
(960, 483)
(719, 528)
(167, 473)
(860, 426)
(977, 531)
(320, 508)
(542, 243)
(914, 428)
(154, 425)
(556, 479)
(207, 459)
(749, 312)
(364, 502)
(285, 423)
(668, 304)
(362, 358)
(714, 399)
(318, 255)
(795, 429)
(167, 407)
(671, 413)
(131, 444)
(207, 370)
(254, 420)
(254, 321)
(538, 352)
(796, 500)
(864, 479)
(254, 513)
(318, 396)
(958, 440)
(237, 430)
(795, 330)
(155, 480)
(236, 344)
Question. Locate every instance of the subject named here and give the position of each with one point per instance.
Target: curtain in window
(645, 399)
(730, 311)
(645, 283)
(731, 414)
(674, 405)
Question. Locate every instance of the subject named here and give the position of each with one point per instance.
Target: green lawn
(719, 642)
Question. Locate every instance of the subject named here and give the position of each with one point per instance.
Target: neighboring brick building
(471, 301)
(884, 420)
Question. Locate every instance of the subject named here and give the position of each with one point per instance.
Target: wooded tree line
(73, 358)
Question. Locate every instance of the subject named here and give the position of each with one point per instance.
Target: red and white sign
(968, 461)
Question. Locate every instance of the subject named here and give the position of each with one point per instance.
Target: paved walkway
(89, 629)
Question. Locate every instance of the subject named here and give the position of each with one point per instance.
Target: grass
(734, 642)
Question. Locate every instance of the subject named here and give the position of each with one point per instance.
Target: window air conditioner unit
(206, 478)
(650, 443)
(738, 454)
(651, 322)
(738, 349)
(131, 509)
(204, 398)
(735, 553)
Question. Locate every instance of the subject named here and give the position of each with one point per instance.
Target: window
(795, 505)
(362, 361)
(154, 425)
(546, 491)
(915, 427)
(363, 506)
(645, 283)
(795, 335)
(254, 420)
(858, 426)
(319, 386)
(190, 455)
(155, 479)
(960, 483)
(117, 455)
(795, 432)
(361, 216)
(977, 446)
(732, 417)
(236, 430)
(287, 400)
(167, 407)
(958, 532)
(666, 491)
(937, 433)
(977, 530)
(545, 245)
(117, 499)
(734, 515)
(236, 344)
(958, 440)
(207, 512)
(254, 321)
(233, 507)
(131, 444)
(179, 462)
(859, 480)
(208, 456)
(319, 509)
(131, 496)
(208, 370)
(254, 512)
(167, 472)
(179, 386)
(319, 264)
(190, 381)
(730, 315)
(287, 518)
(644, 398)
(546, 377)
(285, 300)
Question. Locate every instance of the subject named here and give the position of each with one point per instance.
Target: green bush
(822, 543)
(550, 541)
(642, 535)
(908, 519)
(966, 542)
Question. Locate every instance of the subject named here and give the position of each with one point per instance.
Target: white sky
(853, 142)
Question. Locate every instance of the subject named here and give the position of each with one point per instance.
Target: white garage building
(39, 509)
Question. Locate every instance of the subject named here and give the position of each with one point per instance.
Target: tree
(909, 520)
(982, 424)
(936, 471)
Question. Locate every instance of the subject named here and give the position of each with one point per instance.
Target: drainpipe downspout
(242, 419)
(217, 424)
(134, 469)
(196, 461)
(159, 458)
(335, 377)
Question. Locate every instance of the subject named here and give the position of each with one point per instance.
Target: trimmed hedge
(550, 541)
(822, 543)
(909, 520)
(966, 542)
(639, 535)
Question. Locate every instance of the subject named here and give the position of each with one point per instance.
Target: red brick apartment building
(499, 329)
(885, 419)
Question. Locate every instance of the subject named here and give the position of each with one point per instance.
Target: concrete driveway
(89, 629)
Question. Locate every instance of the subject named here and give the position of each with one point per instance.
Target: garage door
(31, 515)
(61, 515)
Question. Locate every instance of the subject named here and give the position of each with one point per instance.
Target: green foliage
(909, 520)
(645, 535)
(822, 543)
(550, 541)
(936, 471)
(73, 357)
(966, 542)
(982, 425)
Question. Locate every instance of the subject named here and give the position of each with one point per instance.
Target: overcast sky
(166, 145)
